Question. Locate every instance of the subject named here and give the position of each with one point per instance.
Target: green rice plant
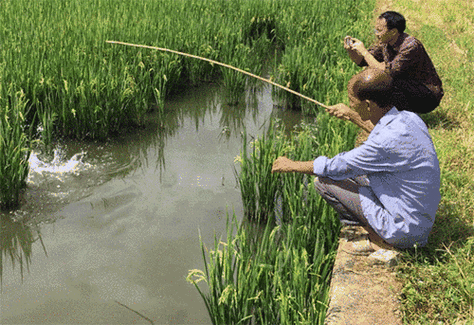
(46, 127)
(60, 59)
(245, 57)
(265, 195)
(233, 280)
(300, 260)
(257, 185)
(274, 275)
(334, 136)
(314, 61)
(14, 146)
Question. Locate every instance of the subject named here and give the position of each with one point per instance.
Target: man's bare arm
(285, 165)
(371, 61)
(353, 54)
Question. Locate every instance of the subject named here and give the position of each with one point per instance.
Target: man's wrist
(364, 53)
(305, 167)
(352, 115)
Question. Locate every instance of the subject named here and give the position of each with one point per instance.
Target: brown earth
(363, 290)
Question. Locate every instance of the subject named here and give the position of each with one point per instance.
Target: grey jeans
(343, 196)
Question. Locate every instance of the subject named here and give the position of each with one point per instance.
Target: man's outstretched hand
(344, 112)
(282, 165)
(285, 165)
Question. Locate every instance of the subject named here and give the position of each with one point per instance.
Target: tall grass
(274, 275)
(56, 52)
(60, 59)
(279, 274)
(263, 192)
(14, 145)
(258, 186)
(314, 61)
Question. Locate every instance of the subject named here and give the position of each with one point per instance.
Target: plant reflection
(16, 242)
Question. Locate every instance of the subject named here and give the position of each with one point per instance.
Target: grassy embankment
(439, 278)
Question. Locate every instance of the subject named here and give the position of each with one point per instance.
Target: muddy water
(119, 222)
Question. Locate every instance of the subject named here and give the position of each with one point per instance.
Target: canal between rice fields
(120, 220)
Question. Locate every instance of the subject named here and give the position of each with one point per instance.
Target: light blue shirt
(400, 162)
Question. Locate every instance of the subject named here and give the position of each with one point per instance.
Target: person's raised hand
(358, 46)
(348, 43)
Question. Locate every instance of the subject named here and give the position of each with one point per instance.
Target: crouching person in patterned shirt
(416, 84)
(389, 184)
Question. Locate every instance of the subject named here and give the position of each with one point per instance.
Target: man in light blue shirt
(389, 184)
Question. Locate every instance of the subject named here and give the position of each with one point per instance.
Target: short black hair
(394, 20)
(374, 85)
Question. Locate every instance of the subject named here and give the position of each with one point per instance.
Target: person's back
(406, 182)
(390, 183)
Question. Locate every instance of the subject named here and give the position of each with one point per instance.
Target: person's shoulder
(412, 119)
(412, 128)
(404, 127)
(409, 41)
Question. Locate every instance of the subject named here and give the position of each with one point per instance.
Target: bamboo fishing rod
(221, 64)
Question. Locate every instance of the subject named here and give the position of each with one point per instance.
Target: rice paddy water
(120, 219)
(60, 83)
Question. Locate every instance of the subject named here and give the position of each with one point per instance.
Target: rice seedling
(274, 275)
(257, 185)
(14, 146)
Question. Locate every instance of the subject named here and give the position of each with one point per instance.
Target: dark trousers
(343, 196)
(411, 95)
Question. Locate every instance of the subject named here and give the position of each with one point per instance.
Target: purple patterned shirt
(408, 60)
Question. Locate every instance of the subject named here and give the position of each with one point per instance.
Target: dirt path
(363, 290)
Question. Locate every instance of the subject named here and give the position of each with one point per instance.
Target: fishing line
(221, 64)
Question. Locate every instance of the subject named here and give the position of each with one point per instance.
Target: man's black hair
(374, 85)
(394, 20)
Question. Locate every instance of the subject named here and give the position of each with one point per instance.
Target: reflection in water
(55, 180)
(196, 105)
(16, 240)
(121, 218)
(233, 116)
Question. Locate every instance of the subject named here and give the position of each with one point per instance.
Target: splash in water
(59, 168)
